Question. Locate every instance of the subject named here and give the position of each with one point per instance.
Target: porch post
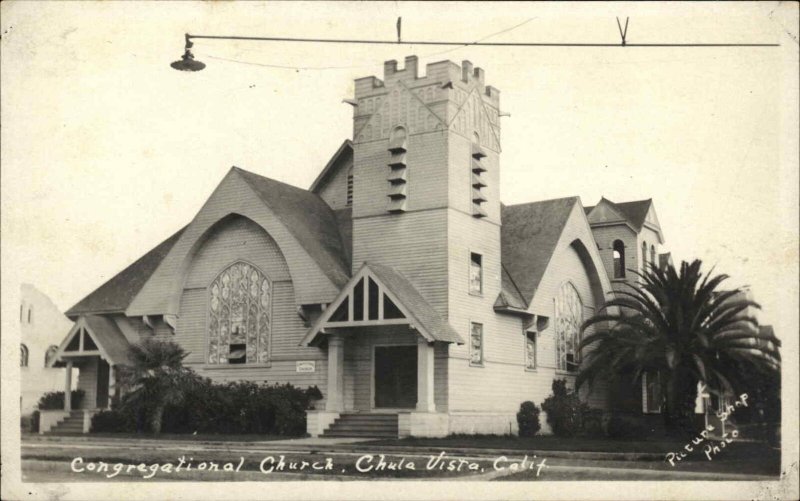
(425, 360)
(335, 400)
(68, 389)
(111, 385)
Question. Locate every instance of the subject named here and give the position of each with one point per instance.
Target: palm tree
(680, 325)
(155, 379)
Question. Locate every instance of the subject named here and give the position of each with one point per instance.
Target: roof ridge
(573, 197)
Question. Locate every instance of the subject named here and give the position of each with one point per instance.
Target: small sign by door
(306, 366)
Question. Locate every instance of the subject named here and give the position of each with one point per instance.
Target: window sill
(215, 367)
(531, 369)
(481, 365)
(562, 372)
(476, 294)
(621, 279)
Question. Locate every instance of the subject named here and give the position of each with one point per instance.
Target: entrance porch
(94, 346)
(382, 359)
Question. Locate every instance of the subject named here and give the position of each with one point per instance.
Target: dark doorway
(102, 384)
(396, 377)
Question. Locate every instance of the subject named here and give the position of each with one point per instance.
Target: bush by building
(528, 419)
(564, 410)
(54, 400)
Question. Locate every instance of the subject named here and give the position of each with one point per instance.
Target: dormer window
(398, 182)
(475, 273)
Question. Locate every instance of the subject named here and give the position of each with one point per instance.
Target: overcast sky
(106, 151)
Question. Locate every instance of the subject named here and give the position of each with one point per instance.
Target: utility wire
(506, 30)
(475, 43)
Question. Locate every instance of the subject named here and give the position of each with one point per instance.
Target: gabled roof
(419, 308)
(117, 293)
(106, 335)
(309, 219)
(345, 149)
(109, 338)
(416, 311)
(529, 236)
(510, 298)
(634, 212)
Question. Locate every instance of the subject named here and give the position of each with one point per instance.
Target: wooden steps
(72, 424)
(364, 426)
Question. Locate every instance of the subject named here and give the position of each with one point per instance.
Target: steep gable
(116, 294)
(529, 235)
(300, 222)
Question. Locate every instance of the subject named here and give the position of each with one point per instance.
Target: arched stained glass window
(240, 301)
(569, 317)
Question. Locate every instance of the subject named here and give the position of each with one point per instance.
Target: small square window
(476, 344)
(530, 350)
(475, 273)
(237, 353)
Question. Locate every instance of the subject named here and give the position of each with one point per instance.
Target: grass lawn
(737, 451)
(200, 437)
(537, 443)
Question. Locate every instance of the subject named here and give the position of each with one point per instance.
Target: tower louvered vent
(398, 171)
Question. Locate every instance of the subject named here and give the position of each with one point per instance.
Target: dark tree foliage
(679, 324)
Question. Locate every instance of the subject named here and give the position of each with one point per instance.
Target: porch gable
(378, 295)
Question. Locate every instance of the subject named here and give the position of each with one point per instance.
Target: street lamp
(187, 61)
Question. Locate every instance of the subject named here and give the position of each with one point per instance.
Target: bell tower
(426, 173)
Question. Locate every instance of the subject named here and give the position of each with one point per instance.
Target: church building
(398, 283)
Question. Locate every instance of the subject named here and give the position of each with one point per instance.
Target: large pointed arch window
(569, 316)
(240, 305)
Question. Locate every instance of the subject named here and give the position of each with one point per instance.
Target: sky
(106, 151)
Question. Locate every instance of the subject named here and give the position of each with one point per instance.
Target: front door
(102, 384)
(395, 377)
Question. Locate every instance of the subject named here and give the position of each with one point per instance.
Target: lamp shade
(187, 63)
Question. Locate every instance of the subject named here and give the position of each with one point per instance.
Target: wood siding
(334, 189)
(414, 244)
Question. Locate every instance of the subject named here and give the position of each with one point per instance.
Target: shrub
(593, 422)
(54, 400)
(240, 407)
(30, 423)
(620, 427)
(112, 420)
(528, 419)
(564, 410)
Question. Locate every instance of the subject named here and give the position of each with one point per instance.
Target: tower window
(530, 350)
(475, 343)
(619, 259)
(30, 314)
(644, 257)
(475, 273)
(349, 202)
